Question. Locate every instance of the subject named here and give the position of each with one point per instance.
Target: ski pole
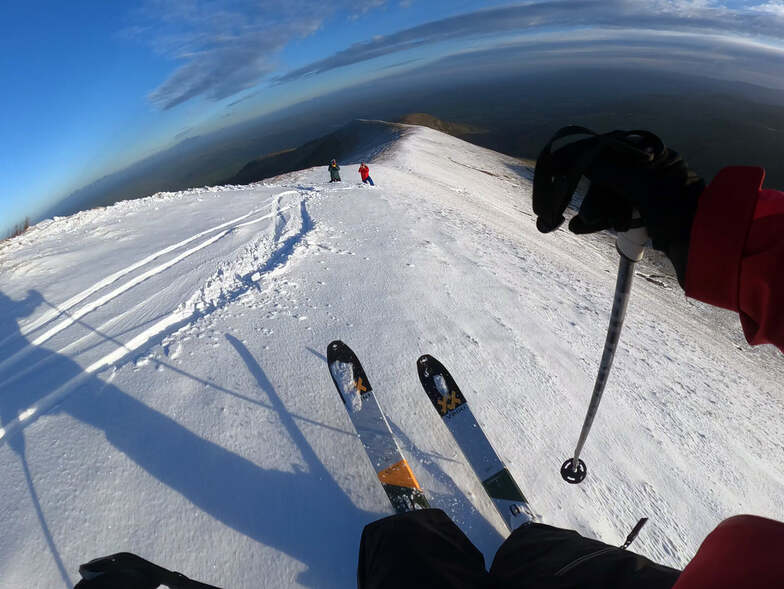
(631, 246)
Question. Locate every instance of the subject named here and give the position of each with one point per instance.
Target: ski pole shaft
(631, 246)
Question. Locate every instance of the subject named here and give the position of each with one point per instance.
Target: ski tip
(427, 365)
(439, 385)
(337, 350)
(335, 345)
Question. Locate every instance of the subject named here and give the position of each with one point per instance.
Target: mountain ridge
(355, 142)
(360, 139)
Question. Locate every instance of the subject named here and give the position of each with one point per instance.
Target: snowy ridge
(163, 387)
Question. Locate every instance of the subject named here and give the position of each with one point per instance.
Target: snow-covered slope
(163, 387)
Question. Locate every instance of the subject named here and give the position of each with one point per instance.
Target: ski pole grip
(631, 243)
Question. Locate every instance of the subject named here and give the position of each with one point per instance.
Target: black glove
(123, 571)
(128, 571)
(628, 170)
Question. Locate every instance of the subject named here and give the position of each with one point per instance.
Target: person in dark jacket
(726, 243)
(334, 171)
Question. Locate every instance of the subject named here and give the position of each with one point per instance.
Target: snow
(343, 373)
(164, 388)
(440, 383)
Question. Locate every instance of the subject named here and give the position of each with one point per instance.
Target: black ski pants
(426, 549)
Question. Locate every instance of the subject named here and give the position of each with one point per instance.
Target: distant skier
(364, 172)
(334, 171)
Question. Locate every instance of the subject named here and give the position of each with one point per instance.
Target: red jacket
(743, 552)
(736, 261)
(364, 171)
(736, 254)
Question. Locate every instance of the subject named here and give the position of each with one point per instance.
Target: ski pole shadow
(321, 504)
(318, 355)
(13, 402)
(282, 510)
(42, 521)
(159, 363)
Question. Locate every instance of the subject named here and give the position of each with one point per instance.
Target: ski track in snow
(78, 298)
(72, 318)
(187, 391)
(203, 299)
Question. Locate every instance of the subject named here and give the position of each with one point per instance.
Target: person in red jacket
(364, 172)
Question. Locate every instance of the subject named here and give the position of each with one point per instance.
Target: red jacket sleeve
(744, 551)
(736, 253)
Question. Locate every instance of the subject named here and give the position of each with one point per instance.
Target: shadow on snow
(297, 513)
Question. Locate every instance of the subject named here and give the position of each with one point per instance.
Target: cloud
(182, 134)
(702, 16)
(775, 7)
(366, 7)
(223, 48)
(401, 63)
(713, 56)
(243, 99)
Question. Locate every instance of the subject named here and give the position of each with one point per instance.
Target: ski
(453, 408)
(371, 425)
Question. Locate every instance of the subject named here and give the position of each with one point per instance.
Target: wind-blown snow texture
(163, 388)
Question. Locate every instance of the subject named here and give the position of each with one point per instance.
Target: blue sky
(91, 86)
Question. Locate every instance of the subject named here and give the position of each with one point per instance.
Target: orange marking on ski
(448, 403)
(360, 387)
(442, 405)
(399, 474)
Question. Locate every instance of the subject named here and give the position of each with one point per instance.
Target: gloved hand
(628, 170)
(128, 571)
(121, 571)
